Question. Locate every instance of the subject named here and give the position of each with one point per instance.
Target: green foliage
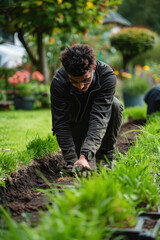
(150, 57)
(91, 209)
(135, 86)
(96, 38)
(9, 163)
(88, 211)
(26, 89)
(25, 84)
(134, 175)
(138, 169)
(48, 15)
(43, 96)
(41, 147)
(132, 41)
(3, 95)
(34, 149)
(36, 19)
(114, 59)
(5, 73)
(19, 129)
(135, 113)
(144, 13)
(145, 153)
(137, 81)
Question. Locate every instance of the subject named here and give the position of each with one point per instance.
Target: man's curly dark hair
(78, 59)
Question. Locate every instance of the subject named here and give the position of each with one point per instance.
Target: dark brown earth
(20, 196)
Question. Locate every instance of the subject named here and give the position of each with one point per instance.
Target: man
(86, 116)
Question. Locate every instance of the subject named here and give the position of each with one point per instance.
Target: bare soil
(20, 195)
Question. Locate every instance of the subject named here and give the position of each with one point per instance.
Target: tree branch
(21, 38)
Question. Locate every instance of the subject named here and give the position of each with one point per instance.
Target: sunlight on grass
(135, 112)
(17, 128)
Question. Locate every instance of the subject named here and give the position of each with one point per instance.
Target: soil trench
(20, 196)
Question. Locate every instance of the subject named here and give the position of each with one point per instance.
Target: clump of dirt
(20, 195)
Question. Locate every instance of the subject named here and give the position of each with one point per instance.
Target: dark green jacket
(66, 107)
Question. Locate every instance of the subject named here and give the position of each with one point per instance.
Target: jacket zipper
(87, 102)
(79, 107)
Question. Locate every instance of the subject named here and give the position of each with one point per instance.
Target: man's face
(81, 83)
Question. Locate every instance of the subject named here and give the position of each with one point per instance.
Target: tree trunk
(42, 63)
(125, 62)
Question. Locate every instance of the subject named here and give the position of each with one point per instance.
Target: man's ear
(94, 67)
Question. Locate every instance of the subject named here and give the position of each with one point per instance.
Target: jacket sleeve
(101, 112)
(60, 121)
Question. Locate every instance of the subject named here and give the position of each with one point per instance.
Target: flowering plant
(43, 96)
(137, 81)
(24, 83)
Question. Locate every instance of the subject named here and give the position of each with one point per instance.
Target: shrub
(5, 73)
(149, 57)
(132, 41)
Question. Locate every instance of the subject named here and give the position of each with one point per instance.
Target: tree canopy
(41, 18)
(132, 41)
(145, 13)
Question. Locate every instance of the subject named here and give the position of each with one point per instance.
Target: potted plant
(25, 88)
(43, 96)
(134, 86)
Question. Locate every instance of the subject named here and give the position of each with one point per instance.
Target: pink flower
(38, 76)
(21, 80)
(15, 82)
(10, 80)
(26, 80)
(19, 77)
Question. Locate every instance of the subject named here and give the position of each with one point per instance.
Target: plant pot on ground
(25, 103)
(134, 88)
(25, 87)
(24, 97)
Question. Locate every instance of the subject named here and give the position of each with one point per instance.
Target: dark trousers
(107, 147)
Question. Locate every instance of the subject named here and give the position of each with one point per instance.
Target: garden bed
(20, 195)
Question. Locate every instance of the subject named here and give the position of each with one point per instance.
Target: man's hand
(82, 161)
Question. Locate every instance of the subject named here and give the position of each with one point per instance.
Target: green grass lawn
(17, 128)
